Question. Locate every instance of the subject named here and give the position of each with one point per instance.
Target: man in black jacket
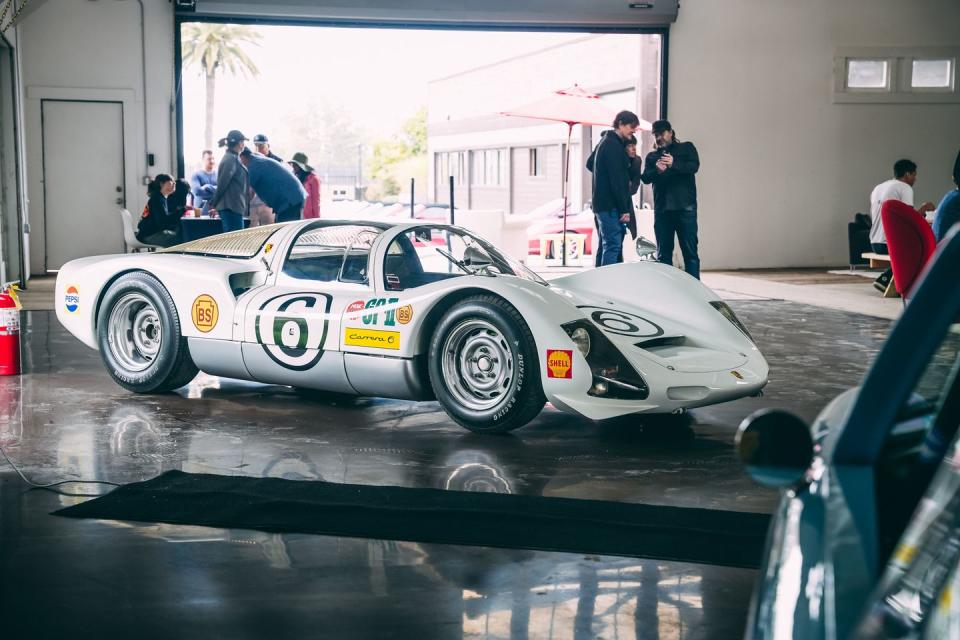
(672, 168)
(611, 185)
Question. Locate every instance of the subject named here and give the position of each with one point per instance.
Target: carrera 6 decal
(297, 324)
(373, 338)
(622, 323)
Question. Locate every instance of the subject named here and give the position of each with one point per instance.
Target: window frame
(900, 89)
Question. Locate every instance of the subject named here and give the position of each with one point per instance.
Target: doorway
(83, 157)
(11, 217)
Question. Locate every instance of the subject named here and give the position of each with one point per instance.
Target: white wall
(784, 168)
(91, 50)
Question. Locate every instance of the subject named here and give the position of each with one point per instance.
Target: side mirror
(645, 248)
(776, 447)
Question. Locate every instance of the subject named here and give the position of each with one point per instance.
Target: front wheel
(483, 366)
(138, 332)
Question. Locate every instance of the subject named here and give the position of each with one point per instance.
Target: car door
(291, 330)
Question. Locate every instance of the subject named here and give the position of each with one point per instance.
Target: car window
(936, 377)
(917, 591)
(428, 254)
(331, 253)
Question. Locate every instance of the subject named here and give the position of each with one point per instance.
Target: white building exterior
(516, 164)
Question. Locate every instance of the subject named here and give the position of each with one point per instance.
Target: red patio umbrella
(571, 106)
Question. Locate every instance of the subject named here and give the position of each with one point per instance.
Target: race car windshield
(424, 255)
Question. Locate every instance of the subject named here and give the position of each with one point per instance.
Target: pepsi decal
(71, 299)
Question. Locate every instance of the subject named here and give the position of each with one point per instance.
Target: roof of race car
(247, 243)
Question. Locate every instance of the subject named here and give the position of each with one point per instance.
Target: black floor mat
(432, 515)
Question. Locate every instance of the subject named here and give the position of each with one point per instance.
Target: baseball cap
(260, 138)
(235, 136)
(660, 126)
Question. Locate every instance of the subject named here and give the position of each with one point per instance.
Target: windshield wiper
(459, 263)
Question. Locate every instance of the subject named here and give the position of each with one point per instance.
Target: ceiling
(606, 15)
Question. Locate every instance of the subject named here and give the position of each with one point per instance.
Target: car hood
(661, 310)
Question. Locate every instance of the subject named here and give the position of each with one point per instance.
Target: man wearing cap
(671, 169)
(262, 143)
(277, 187)
(230, 201)
(310, 182)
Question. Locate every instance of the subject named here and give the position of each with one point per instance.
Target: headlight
(581, 338)
(728, 313)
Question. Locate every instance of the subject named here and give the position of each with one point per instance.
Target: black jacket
(611, 180)
(676, 188)
(156, 218)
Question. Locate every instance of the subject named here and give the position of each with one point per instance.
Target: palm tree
(216, 47)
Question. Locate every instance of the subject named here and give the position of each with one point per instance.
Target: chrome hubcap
(135, 332)
(477, 365)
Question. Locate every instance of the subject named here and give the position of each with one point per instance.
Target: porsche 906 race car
(410, 311)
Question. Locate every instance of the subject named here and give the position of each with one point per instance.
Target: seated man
(900, 187)
(948, 213)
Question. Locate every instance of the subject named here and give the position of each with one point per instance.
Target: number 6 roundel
(296, 324)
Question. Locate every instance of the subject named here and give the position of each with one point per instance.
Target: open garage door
(399, 110)
(575, 14)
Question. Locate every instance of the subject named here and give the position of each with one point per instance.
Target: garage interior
(660, 532)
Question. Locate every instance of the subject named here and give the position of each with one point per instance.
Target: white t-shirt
(892, 189)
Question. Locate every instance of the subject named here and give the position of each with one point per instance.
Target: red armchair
(910, 241)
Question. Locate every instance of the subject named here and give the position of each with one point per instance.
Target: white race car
(412, 311)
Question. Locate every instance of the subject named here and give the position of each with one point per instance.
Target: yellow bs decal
(405, 314)
(205, 313)
(373, 338)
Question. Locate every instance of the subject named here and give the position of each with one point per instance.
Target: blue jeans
(684, 225)
(232, 221)
(611, 237)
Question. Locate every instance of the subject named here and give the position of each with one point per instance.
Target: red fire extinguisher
(9, 332)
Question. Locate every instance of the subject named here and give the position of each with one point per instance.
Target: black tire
(152, 361)
(502, 348)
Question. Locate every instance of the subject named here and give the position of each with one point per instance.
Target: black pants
(884, 278)
(684, 225)
(289, 214)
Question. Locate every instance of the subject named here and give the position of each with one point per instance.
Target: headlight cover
(728, 313)
(613, 377)
(581, 338)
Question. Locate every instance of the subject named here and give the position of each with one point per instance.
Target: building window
(896, 75)
(868, 74)
(538, 159)
(451, 164)
(931, 74)
(489, 167)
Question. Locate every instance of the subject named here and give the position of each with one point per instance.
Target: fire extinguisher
(9, 332)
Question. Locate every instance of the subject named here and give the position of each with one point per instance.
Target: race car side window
(331, 253)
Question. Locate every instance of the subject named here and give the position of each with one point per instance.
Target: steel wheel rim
(477, 365)
(135, 332)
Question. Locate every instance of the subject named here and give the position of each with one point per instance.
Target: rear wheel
(483, 366)
(138, 332)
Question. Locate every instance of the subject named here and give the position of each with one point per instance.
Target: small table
(202, 227)
(554, 240)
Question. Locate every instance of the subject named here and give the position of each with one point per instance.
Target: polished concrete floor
(65, 419)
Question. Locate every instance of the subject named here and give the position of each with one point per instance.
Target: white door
(83, 179)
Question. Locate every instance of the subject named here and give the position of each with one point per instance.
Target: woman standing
(231, 198)
(310, 182)
(158, 225)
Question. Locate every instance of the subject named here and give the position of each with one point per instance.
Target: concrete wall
(784, 167)
(83, 50)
